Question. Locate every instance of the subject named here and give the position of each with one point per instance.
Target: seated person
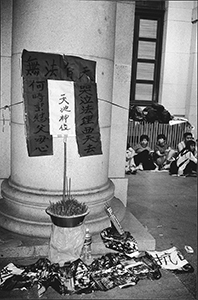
(196, 147)
(163, 153)
(186, 162)
(142, 159)
(129, 155)
(187, 136)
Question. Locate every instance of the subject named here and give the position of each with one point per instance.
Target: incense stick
(64, 171)
(69, 188)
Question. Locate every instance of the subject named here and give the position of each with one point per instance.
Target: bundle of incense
(114, 219)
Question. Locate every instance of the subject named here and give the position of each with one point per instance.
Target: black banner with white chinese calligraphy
(86, 119)
(37, 69)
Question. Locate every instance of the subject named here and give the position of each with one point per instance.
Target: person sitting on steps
(187, 136)
(163, 153)
(186, 162)
(141, 157)
(128, 164)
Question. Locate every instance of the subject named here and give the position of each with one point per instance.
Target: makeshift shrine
(60, 100)
(68, 229)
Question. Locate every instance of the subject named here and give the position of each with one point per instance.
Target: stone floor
(165, 206)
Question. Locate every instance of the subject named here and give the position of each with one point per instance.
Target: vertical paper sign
(61, 107)
(86, 118)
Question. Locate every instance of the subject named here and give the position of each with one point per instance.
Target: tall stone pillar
(80, 28)
(191, 93)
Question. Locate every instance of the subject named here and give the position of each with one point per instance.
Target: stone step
(15, 245)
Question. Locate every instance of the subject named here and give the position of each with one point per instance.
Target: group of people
(180, 161)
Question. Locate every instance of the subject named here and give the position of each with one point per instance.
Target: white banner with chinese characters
(61, 107)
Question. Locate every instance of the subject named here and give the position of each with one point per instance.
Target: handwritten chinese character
(88, 109)
(40, 117)
(65, 108)
(69, 71)
(84, 73)
(89, 137)
(32, 66)
(87, 130)
(90, 149)
(62, 99)
(85, 89)
(51, 69)
(87, 120)
(40, 128)
(63, 127)
(41, 143)
(63, 118)
(38, 85)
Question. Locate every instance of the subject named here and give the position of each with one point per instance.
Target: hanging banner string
(3, 117)
(120, 106)
(8, 106)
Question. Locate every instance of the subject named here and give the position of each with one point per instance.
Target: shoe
(155, 170)
(133, 169)
(191, 175)
(166, 167)
(172, 260)
(140, 167)
(134, 172)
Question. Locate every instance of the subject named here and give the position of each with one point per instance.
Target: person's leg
(137, 159)
(191, 166)
(141, 158)
(150, 163)
(127, 169)
(170, 155)
(173, 168)
(146, 160)
(160, 161)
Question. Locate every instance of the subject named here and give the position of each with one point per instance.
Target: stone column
(5, 86)
(191, 94)
(121, 96)
(80, 28)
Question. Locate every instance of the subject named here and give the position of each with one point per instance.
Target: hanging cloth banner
(37, 67)
(35, 94)
(86, 118)
(61, 107)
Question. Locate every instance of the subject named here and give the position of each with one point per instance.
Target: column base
(23, 210)
(16, 245)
